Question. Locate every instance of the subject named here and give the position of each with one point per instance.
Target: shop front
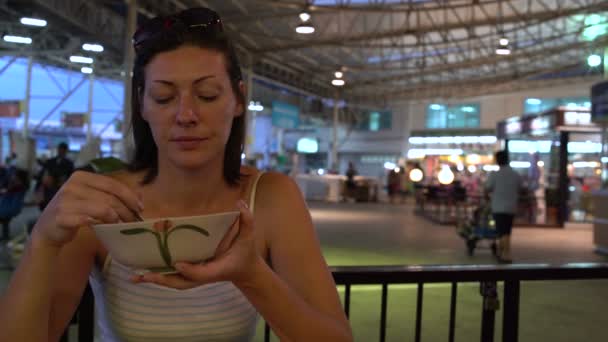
(557, 153)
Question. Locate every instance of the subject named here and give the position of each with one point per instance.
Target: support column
(90, 108)
(28, 97)
(128, 67)
(332, 161)
(562, 214)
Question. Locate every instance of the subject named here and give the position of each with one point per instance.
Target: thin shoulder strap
(254, 187)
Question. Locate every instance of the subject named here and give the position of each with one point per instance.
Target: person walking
(54, 174)
(503, 187)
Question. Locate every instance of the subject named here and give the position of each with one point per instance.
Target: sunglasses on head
(194, 19)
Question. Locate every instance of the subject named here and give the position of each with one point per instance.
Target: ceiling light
(17, 39)
(304, 16)
(86, 70)
(338, 82)
(339, 74)
(92, 47)
(81, 59)
(503, 42)
(33, 22)
(503, 50)
(594, 60)
(305, 28)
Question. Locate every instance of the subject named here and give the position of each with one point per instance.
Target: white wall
(498, 107)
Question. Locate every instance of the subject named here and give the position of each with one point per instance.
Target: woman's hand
(235, 259)
(85, 199)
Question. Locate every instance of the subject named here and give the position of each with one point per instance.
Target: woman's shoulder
(275, 188)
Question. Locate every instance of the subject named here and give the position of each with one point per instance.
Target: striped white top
(148, 312)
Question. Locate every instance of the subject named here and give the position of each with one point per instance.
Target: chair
(11, 205)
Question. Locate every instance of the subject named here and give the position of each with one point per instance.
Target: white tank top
(148, 312)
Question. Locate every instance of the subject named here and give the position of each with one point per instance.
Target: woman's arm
(298, 296)
(45, 289)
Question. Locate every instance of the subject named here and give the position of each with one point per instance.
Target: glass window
(376, 121)
(454, 116)
(535, 105)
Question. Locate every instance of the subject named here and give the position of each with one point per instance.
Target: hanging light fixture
(338, 81)
(503, 47)
(305, 26)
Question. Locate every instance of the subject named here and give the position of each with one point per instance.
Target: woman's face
(189, 104)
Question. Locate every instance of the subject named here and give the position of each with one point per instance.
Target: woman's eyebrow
(198, 80)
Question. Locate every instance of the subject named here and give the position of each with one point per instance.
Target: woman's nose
(186, 113)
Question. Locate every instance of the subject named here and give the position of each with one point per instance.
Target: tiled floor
(380, 234)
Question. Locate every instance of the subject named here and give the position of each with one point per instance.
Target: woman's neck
(186, 192)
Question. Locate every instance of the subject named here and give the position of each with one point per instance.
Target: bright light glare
(86, 70)
(520, 164)
(504, 42)
(304, 16)
(435, 106)
(305, 29)
(339, 74)
(389, 165)
(533, 102)
(17, 39)
(594, 60)
(445, 176)
(540, 163)
(503, 51)
(33, 22)
(472, 168)
(255, 106)
(338, 83)
(81, 59)
(92, 47)
(416, 175)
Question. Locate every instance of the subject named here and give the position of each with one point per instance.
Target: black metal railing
(487, 275)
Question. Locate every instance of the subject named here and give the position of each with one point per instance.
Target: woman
(188, 125)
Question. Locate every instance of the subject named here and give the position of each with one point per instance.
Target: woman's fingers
(125, 214)
(110, 186)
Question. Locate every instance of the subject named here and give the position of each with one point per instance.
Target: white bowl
(142, 247)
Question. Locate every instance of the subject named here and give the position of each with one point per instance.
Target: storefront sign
(577, 118)
(10, 109)
(77, 120)
(285, 115)
(513, 127)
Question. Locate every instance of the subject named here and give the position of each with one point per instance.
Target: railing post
(383, 312)
(419, 299)
(510, 318)
(490, 305)
(453, 311)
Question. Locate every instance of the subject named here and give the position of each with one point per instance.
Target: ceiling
(388, 50)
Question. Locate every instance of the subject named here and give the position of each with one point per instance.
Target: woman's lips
(188, 143)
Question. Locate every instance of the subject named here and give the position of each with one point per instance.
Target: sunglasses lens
(194, 18)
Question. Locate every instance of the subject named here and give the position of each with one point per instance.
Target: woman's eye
(207, 98)
(163, 100)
